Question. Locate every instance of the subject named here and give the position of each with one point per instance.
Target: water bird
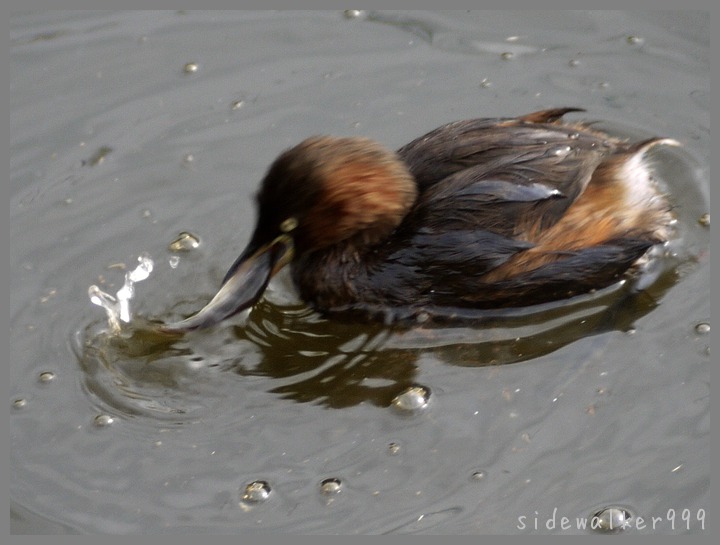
(483, 213)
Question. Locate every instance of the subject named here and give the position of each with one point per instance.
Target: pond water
(144, 134)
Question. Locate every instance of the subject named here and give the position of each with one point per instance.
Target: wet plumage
(483, 213)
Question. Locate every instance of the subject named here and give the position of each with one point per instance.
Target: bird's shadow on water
(340, 364)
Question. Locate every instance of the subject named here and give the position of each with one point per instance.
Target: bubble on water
(237, 104)
(256, 492)
(635, 40)
(19, 403)
(184, 242)
(704, 220)
(330, 486)
(191, 67)
(46, 377)
(702, 328)
(573, 63)
(611, 519)
(507, 55)
(412, 400)
(103, 420)
(354, 13)
(393, 449)
(478, 475)
(485, 83)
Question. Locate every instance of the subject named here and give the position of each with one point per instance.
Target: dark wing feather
(471, 154)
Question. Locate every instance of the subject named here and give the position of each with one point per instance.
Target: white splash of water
(117, 308)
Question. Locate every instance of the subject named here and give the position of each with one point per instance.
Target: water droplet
(702, 328)
(257, 492)
(331, 486)
(46, 377)
(611, 519)
(478, 475)
(103, 420)
(507, 55)
(561, 151)
(393, 449)
(237, 105)
(354, 13)
(184, 242)
(142, 271)
(19, 403)
(704, 220)
(191, 67)
(635, 40)
(412, 400)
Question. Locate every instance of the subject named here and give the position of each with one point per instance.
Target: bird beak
(243, 285)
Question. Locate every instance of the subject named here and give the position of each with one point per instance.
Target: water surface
(130, 128)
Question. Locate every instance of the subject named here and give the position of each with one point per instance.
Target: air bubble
(393, 449)
(507, 55)
(702, 328)
(46, 377)
(330, 486)
(191, 67)
(354, 13)
(103, 420)
(704, 220)
(478, 475)
(257, 492)
(184, 242)
(611, 519)
(19, 403)
(412, 400)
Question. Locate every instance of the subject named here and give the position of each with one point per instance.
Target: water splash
(117, 307)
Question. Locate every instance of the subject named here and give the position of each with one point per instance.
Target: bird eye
(288, 225)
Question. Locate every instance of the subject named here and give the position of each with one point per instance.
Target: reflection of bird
(483, 213)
